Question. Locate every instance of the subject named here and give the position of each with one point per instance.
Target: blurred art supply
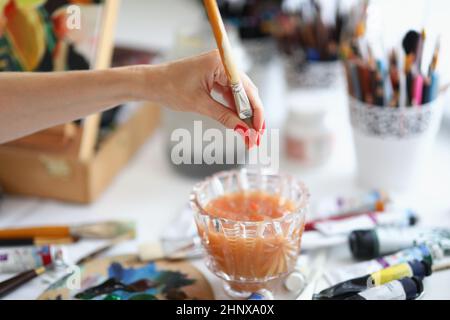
(326, 75)
(252, 18)
(369, 244)
(431, 253)
(262, 294)
(304, 27)
(346, 206)
(11, 284)
(241, 100)
(315, 275)
(378, 80)
(304, 273)
(403, 289)
(251, 232)
(309, 136)
(22, 242)
(97, 230)
(104, 248)
(338, 225)
(127, 278)
(295, 281)
(342, 290)
(310, 40)
(26, 258)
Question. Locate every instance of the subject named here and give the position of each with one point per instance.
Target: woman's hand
(186, 85)
(34, 101)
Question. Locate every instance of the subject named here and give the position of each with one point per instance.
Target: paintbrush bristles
(103, 230)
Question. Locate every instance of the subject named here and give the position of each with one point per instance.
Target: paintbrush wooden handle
(23, 242)
(223, 43)
(37, 232)
(15, 282)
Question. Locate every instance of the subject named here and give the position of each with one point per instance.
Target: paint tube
(403, 289)
(399, 218)
(372, 201)
(369, 244)
(26, 258)
(342, 290)
(262, 294)
(427, 252)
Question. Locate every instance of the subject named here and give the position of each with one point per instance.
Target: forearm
(30, 102)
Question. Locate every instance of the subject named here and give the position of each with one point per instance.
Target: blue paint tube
(262, 294)
(403, 289)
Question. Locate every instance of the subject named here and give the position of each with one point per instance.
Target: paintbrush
(21, 242)
(12, 284)
(241, 100)
(17, 281)
(99, 230)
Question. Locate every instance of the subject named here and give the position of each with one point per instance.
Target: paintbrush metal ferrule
(241, 101)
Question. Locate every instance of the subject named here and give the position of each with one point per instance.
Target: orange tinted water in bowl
(257, 252)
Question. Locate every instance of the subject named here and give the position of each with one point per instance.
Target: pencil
(417, 90)
(434, 59)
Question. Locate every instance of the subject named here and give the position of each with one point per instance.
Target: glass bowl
(250, 255)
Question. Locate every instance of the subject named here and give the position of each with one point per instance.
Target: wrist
(145, 82)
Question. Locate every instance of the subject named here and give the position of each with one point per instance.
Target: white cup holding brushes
(392, 144)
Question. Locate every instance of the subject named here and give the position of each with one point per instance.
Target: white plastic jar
(309, 138)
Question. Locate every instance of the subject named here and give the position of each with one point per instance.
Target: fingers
(221, 85)
(255, 102)
(225, 92)
(229, 119)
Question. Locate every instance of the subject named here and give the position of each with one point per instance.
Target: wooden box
(65, 177)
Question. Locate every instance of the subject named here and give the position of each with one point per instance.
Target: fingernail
(258, 141)
(243, 131)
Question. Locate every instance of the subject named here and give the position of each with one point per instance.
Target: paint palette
(126, 278)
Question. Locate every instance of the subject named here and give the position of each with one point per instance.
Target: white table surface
(151, 193)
